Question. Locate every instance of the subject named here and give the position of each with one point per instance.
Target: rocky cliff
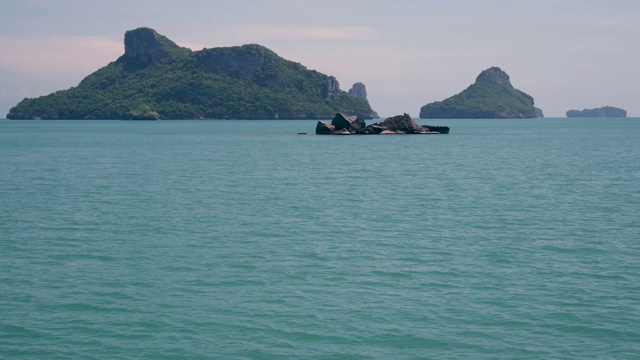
(155, 78)
(145, 46)
(491, 96)
(358, 90)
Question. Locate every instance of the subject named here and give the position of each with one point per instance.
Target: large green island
(157, 79)
(491, 96)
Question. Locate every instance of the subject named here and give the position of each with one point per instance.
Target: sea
(505, 239)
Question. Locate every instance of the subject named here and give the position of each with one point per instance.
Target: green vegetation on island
(156, 78)
(491, 96)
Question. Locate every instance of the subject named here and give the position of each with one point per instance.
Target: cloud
(47, 55)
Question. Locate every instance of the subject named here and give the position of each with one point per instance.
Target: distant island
(606, 111)
(157, 79)
(491, 96)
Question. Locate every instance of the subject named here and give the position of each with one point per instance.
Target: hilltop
(157, 79)
(491, 96)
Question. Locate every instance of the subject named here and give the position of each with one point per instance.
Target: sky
(567, 54)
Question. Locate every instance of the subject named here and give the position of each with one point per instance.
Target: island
(491, 96)
(355, 125)
(606, 111)
(157, 79)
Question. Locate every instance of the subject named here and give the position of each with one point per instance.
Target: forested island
(157, 79)
(491, 96)
(606, 111)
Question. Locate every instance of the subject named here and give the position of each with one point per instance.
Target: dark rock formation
(491, 96)
(607, 111)
(145, 46)
(358, 90)
(539, 113)
(401, 124)
(324, 128)
(352, 123)
(437, 129)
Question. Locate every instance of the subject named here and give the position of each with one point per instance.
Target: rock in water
(437, 129)
(401, 124)
(491, 96)
(324, 128)
(353, 124)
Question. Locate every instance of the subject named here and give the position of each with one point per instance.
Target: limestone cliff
(358, 90)
(145, 46)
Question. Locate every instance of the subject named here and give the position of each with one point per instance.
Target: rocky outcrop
(491, 96)
(331, 87)
(539, 113)
(607, 111)
(437, 129)
(401, 124)
(359, 91)
(145, 46)
(324, 128)
(355, 125)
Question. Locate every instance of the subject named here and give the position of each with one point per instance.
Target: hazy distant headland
(491, 96)
(157, 79)
(606, 111)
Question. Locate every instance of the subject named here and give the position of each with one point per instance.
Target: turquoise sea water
(506, 239)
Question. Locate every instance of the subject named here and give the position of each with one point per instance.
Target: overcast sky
(567, 54)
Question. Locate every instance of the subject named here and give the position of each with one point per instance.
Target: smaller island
(606, 111)
(355, 125)
(491, 96)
